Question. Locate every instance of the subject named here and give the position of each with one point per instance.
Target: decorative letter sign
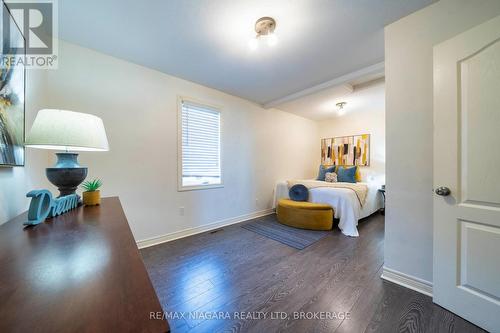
(43, 205)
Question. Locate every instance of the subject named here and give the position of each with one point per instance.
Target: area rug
(269, 227)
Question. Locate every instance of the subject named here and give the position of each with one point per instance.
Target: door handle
(443, 191)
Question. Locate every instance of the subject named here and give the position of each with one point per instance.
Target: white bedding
(345, 204)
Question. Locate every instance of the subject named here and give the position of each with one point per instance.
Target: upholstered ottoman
(305, 215)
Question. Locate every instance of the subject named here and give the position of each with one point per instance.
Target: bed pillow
(357, 175)
(346, 175)
(322, 172)
(331, 177)
(298, 192)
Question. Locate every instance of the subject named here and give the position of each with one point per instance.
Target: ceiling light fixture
(341, 105)
(264, 27)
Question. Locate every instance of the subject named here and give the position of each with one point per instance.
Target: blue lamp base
(67, 174)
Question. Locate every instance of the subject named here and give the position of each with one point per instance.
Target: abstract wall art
(326, 152)
(346, 150)
(12, 85)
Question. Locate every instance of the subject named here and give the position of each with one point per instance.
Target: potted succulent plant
(92, 195)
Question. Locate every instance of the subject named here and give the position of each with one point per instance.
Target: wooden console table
(79, 272)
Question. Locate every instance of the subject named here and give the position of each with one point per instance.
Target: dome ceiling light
(264, 27)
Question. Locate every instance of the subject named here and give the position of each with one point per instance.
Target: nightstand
(382, 191)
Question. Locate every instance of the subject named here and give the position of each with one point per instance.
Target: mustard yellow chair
(305, 215)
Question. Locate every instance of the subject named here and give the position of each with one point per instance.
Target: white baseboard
(203, 228)
(407, 281)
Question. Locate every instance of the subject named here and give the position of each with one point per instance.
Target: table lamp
(69, 131)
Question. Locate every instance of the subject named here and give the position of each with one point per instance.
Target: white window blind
(200, 126)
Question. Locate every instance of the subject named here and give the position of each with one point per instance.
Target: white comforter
(345, 204)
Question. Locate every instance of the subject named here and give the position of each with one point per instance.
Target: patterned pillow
(331, 177)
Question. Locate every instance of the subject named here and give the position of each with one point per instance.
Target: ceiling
(361, 94)
(206, 41)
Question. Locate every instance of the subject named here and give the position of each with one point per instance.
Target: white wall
(365, 114)
(15, 182)
(409, 117)
(139, 110)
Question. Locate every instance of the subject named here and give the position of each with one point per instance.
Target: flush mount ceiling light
(341, 105)
(264, 27)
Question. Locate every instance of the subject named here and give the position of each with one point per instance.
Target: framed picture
(326, 152)
(361, 149)
(346, 150)
(12, 90)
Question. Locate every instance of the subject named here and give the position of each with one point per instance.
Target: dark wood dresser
(79, 272)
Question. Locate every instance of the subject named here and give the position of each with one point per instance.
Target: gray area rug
(297, 238)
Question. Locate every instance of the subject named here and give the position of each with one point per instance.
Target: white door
(467, 162)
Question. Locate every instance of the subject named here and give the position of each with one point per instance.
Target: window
(199, 138)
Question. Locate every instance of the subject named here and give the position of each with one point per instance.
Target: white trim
(198, 187)
(196, 230)
(378, 68)
(407, 281)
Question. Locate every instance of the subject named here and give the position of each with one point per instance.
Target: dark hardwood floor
(237, 276)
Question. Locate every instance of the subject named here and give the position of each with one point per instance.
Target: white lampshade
(67, 130)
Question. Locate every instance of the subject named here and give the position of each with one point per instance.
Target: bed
(345, 203)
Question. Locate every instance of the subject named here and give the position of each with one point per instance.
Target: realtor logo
(29, 33)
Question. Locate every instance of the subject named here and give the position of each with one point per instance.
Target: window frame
(180, 187)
